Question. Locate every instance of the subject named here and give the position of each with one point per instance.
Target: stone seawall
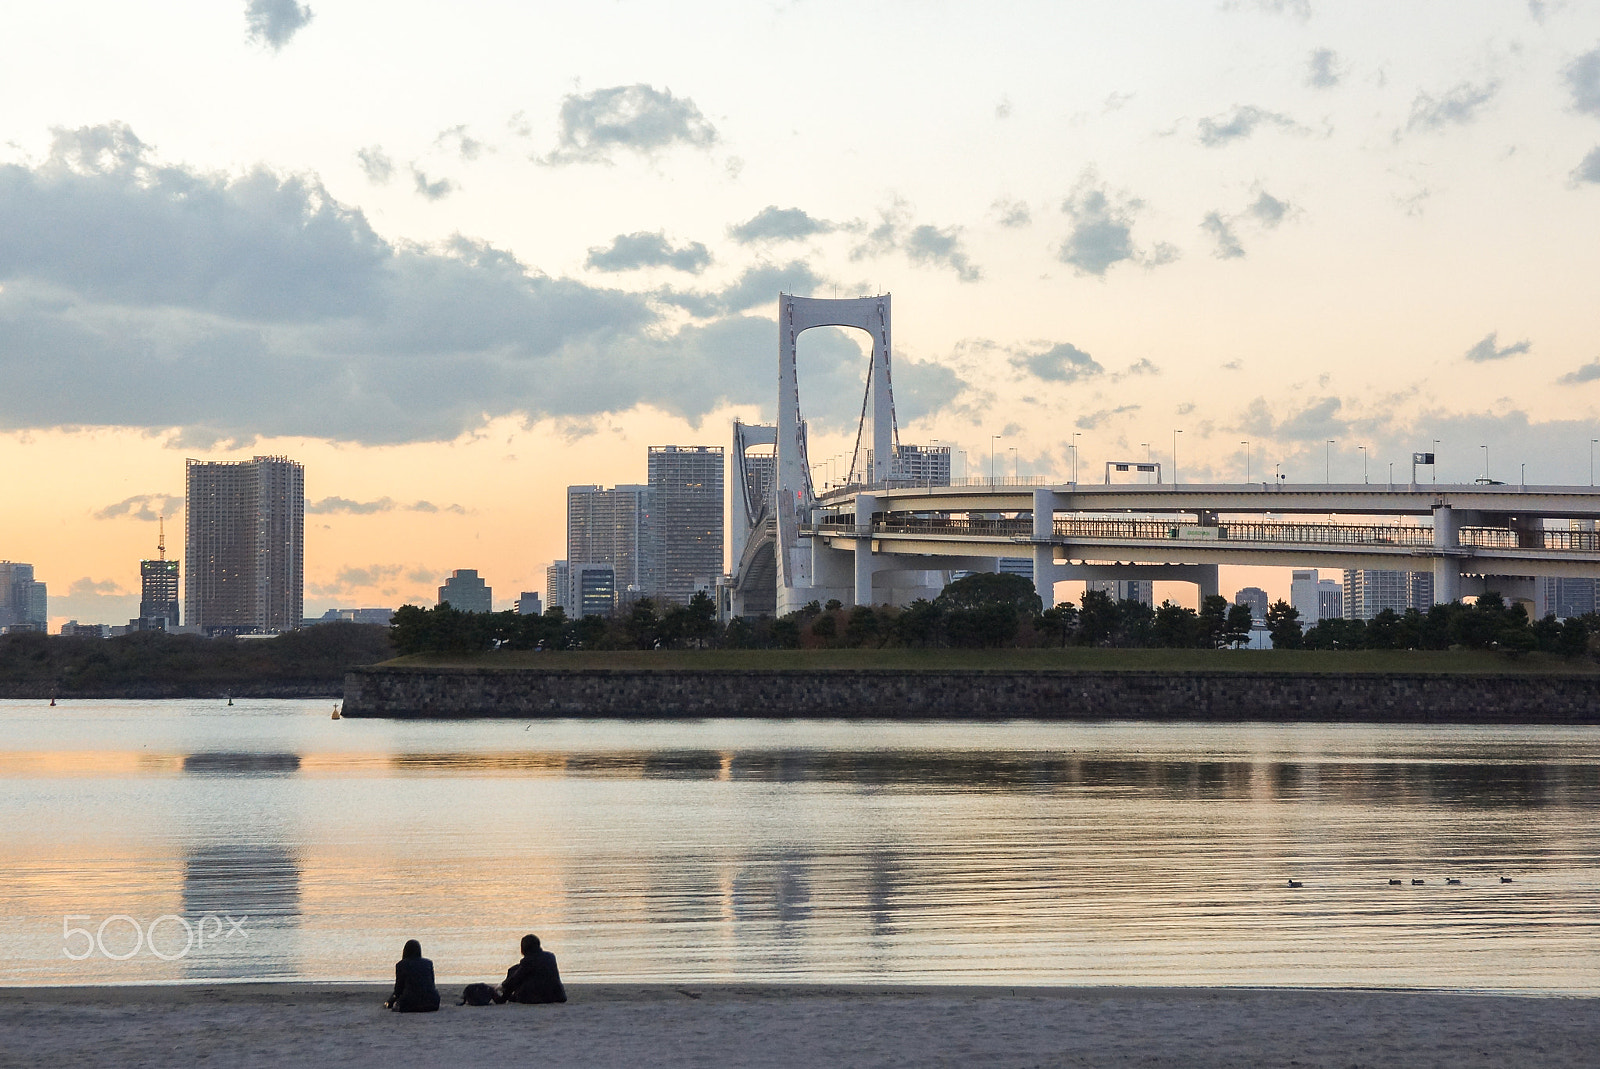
(972, 695)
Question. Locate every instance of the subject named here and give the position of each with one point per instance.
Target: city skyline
(1269, 226)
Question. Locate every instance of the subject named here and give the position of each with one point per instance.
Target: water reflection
(1482, 784)
(253, 892)
(229, 763)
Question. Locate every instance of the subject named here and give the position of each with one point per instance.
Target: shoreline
(792, 1025)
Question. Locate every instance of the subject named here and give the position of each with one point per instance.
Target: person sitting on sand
(535, 978)
(414, 990)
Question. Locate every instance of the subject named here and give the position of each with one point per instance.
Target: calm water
(296, 846)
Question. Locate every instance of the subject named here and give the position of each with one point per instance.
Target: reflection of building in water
(253, 890)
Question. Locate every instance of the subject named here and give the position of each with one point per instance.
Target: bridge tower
(801, 578)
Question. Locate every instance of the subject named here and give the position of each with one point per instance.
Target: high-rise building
(245, 545)
(686, 484)
(1330, 600)
(919, 465)
(24, 601)
(528, 604)
(615, 527)
(1369, 591)
(1140, 590)
(1255, 599)
(1567, 597)
(158, 589)
(1303, 595)
(464, 590)
(555, 586)
(593, 590)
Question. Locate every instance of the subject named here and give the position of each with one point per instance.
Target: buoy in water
(336, 712)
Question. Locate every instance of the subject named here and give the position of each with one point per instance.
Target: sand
(343, 1025)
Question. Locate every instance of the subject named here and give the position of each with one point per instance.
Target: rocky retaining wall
(973, 695)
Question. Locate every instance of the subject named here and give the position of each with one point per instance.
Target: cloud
(1582, 76)
(1314, 422)
(1589, 169)
(432, 190)
(1012, 213)
(1299, 9)
(1059, 363)
(630, 252)
(774, 224)
(1095, 419)
(1102, 228)
(208, 307)
(941, 248)
(332, 505)
(923, 244)
(1240, 124)
(1268, 210)
(1490, 349)
(1002, 110)
(757, 286)
(457, 140)
(87, 587)
(636, 118)
(377, 166)
(1457, 107)
(147, 507)
(1586, 373)
(274, 22)
(1228, 247)
(1142, 367)
(1323, 69)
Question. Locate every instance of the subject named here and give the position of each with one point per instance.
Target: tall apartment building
(686, 484)
(24, 601)
(1140, 590)
(921, 465)
(616, 527)
(1330, 600)
(245, 545)
(1567, 597)
(159, 597)
(1369, 591)
(555, 586)
(464, 590)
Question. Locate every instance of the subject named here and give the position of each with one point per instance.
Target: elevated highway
(1469, 536)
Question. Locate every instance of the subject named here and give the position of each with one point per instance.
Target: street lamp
(993, 438)
(1327, 461)
(1485, 449)
(1436, 460)
(1246, 460)
(1364, 457)
(1016, 462)
(1175, 434)
(1592, 443)
(1075, 436)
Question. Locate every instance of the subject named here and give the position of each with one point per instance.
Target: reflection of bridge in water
(882, 540)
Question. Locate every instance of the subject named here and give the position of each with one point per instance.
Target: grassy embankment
(1381, 662)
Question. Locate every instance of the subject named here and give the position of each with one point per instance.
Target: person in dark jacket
(414, 989)
(535, 978)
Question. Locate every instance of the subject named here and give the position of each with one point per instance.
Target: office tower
(1419, 591)
(1369, 591)
(24, 602)
(686, 485)
(1140, 590)
(158, 589)
(465, 591)
(1566, 597)
(1330, 600)
(1256, 599)
(555, 586)
(593, 590)
(615, 527)
(528, 604)
(919, 465)
(245, 545)
(1022, 566)
(1303, 595)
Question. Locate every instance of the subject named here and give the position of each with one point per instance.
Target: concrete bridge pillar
(1446, 567)
(866, 505)
(1044, 554)
(1208, 581)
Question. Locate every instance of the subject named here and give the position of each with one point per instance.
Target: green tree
(919, 624)
(826, 628)
(1059, 623)
(1097, 618)
(1176, 626)
(1283, 624)
(1236, 629)
(642, 626)
(862, 626)
(1213, 621)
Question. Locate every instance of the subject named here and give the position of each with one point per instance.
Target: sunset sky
(455, 257)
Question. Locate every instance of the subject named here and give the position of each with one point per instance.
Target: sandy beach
(798, 1025)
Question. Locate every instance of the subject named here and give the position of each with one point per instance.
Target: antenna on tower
(161, 538)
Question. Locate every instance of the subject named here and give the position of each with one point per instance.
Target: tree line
(987, 610)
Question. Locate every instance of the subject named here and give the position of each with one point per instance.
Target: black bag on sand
(477, 995)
